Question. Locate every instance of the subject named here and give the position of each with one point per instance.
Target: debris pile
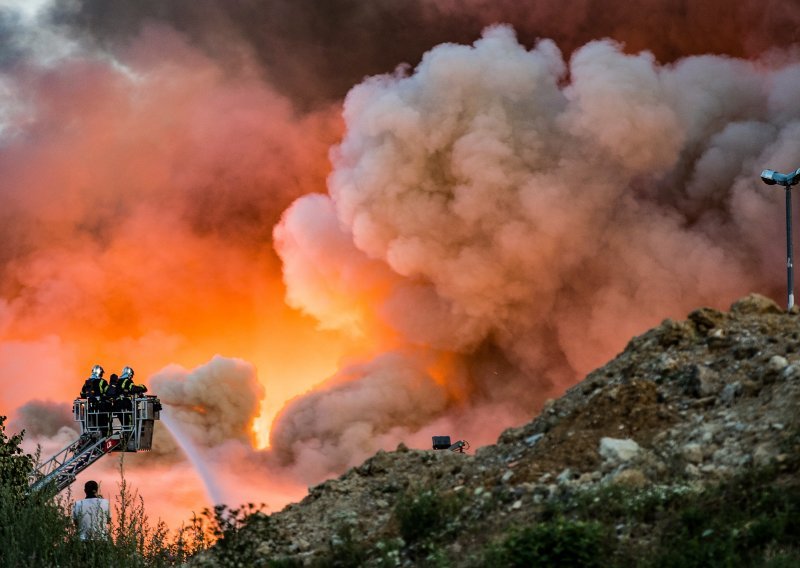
(686, 405)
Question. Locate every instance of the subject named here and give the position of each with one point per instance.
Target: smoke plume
(546, 209)
(215, 402)
(343, 422)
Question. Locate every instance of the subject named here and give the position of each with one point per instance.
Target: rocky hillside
(681, 451)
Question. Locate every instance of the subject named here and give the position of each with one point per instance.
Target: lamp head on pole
(771, 177)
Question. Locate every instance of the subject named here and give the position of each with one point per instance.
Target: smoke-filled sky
(317, 229)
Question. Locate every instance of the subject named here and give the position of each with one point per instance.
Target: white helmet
(127, 373)
(97, 372)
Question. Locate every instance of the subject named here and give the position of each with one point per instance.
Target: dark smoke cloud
(668, 28)
(43, 418)
(315, 51)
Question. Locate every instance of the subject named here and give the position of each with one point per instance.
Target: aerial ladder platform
(128, 428)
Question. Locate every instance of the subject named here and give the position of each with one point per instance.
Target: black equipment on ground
(443, 443)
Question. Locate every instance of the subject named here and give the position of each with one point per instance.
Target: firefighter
(94, 390)
(114, 394)
(95, 384)
(127, 390)
(113, 386)
(127, 385)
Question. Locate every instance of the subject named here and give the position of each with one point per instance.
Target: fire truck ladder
(64, 467)
(127, 429)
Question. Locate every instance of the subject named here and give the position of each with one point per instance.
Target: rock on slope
(686, 404)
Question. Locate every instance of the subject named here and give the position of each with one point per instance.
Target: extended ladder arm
(63, 468)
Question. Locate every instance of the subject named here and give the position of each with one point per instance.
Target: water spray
(193, 454)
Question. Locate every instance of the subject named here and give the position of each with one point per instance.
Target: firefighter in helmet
(125, 390)
(95, 390)
(127, 385)
(95, 384)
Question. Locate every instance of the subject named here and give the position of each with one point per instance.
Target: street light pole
(789, 255)
(771, 177)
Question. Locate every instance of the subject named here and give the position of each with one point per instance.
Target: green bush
(784, 560)
(613, 504)
(15, 465)
(421, 514)
(36, 529)
(559, 542)
(233, 545)
(345, 551)
(751, 520)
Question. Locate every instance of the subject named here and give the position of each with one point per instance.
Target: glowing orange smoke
(138, 227)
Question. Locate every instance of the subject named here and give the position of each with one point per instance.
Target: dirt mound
(633, 410)
(685, 405)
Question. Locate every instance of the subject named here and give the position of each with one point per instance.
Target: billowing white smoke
(215, 402)
(330, 275)
(499, 201)
(347, 420)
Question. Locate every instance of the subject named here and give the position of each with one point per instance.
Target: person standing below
(92, 515)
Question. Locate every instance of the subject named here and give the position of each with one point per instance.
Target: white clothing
(92, 516)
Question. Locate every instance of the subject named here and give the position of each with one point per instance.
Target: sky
(317, 230)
